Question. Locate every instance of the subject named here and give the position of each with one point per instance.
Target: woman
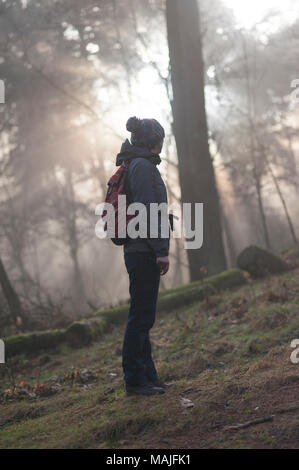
(145, 258)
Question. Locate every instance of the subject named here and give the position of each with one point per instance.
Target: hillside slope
(229, 355)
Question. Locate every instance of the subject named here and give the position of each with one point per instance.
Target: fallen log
(82, 333)
(33, 342)
(183, 295)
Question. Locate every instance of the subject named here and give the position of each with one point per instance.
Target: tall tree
(196, 170)
(11, 296)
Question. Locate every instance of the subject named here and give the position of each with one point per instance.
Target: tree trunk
(11, 296)
(78, 280)
(74, 241)
(284, 204)
(231, 251)
(263, 215)
(178, 278)
(196, 170)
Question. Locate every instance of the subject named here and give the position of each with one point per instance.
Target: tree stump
(259, 262)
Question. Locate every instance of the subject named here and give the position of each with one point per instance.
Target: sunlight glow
(92, 48)
(146, 95)
(148, 100)
(250, 13)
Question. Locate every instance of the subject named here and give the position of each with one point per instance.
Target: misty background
(74, 72)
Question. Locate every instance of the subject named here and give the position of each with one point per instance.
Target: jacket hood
(128, 151)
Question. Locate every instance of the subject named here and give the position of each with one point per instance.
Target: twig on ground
(287, 410)
(238, 426)
(265, 419)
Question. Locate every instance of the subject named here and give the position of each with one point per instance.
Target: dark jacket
(144, 184)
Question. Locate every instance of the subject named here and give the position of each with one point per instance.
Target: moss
(83, 332)
(32, 342)
(225, 280)
(114, 315)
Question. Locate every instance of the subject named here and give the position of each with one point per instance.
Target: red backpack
(116, 187)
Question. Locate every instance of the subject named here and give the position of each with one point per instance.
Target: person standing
(146, 259)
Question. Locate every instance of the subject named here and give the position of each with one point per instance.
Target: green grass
(229, 354)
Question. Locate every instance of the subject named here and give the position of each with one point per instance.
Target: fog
(73, 74)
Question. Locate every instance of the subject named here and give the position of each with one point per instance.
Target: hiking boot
(159, 383)
(143, 390)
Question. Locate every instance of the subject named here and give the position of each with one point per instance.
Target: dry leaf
(186, 403)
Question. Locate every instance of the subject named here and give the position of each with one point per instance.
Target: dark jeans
(144, 277)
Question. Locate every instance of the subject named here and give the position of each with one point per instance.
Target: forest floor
(228, 355)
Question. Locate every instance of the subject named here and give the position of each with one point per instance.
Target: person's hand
(163, 263)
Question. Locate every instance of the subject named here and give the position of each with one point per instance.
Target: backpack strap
(126, 164)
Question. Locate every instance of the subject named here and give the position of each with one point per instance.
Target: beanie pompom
(133, 124)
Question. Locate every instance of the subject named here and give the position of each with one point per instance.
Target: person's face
(158, 147)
